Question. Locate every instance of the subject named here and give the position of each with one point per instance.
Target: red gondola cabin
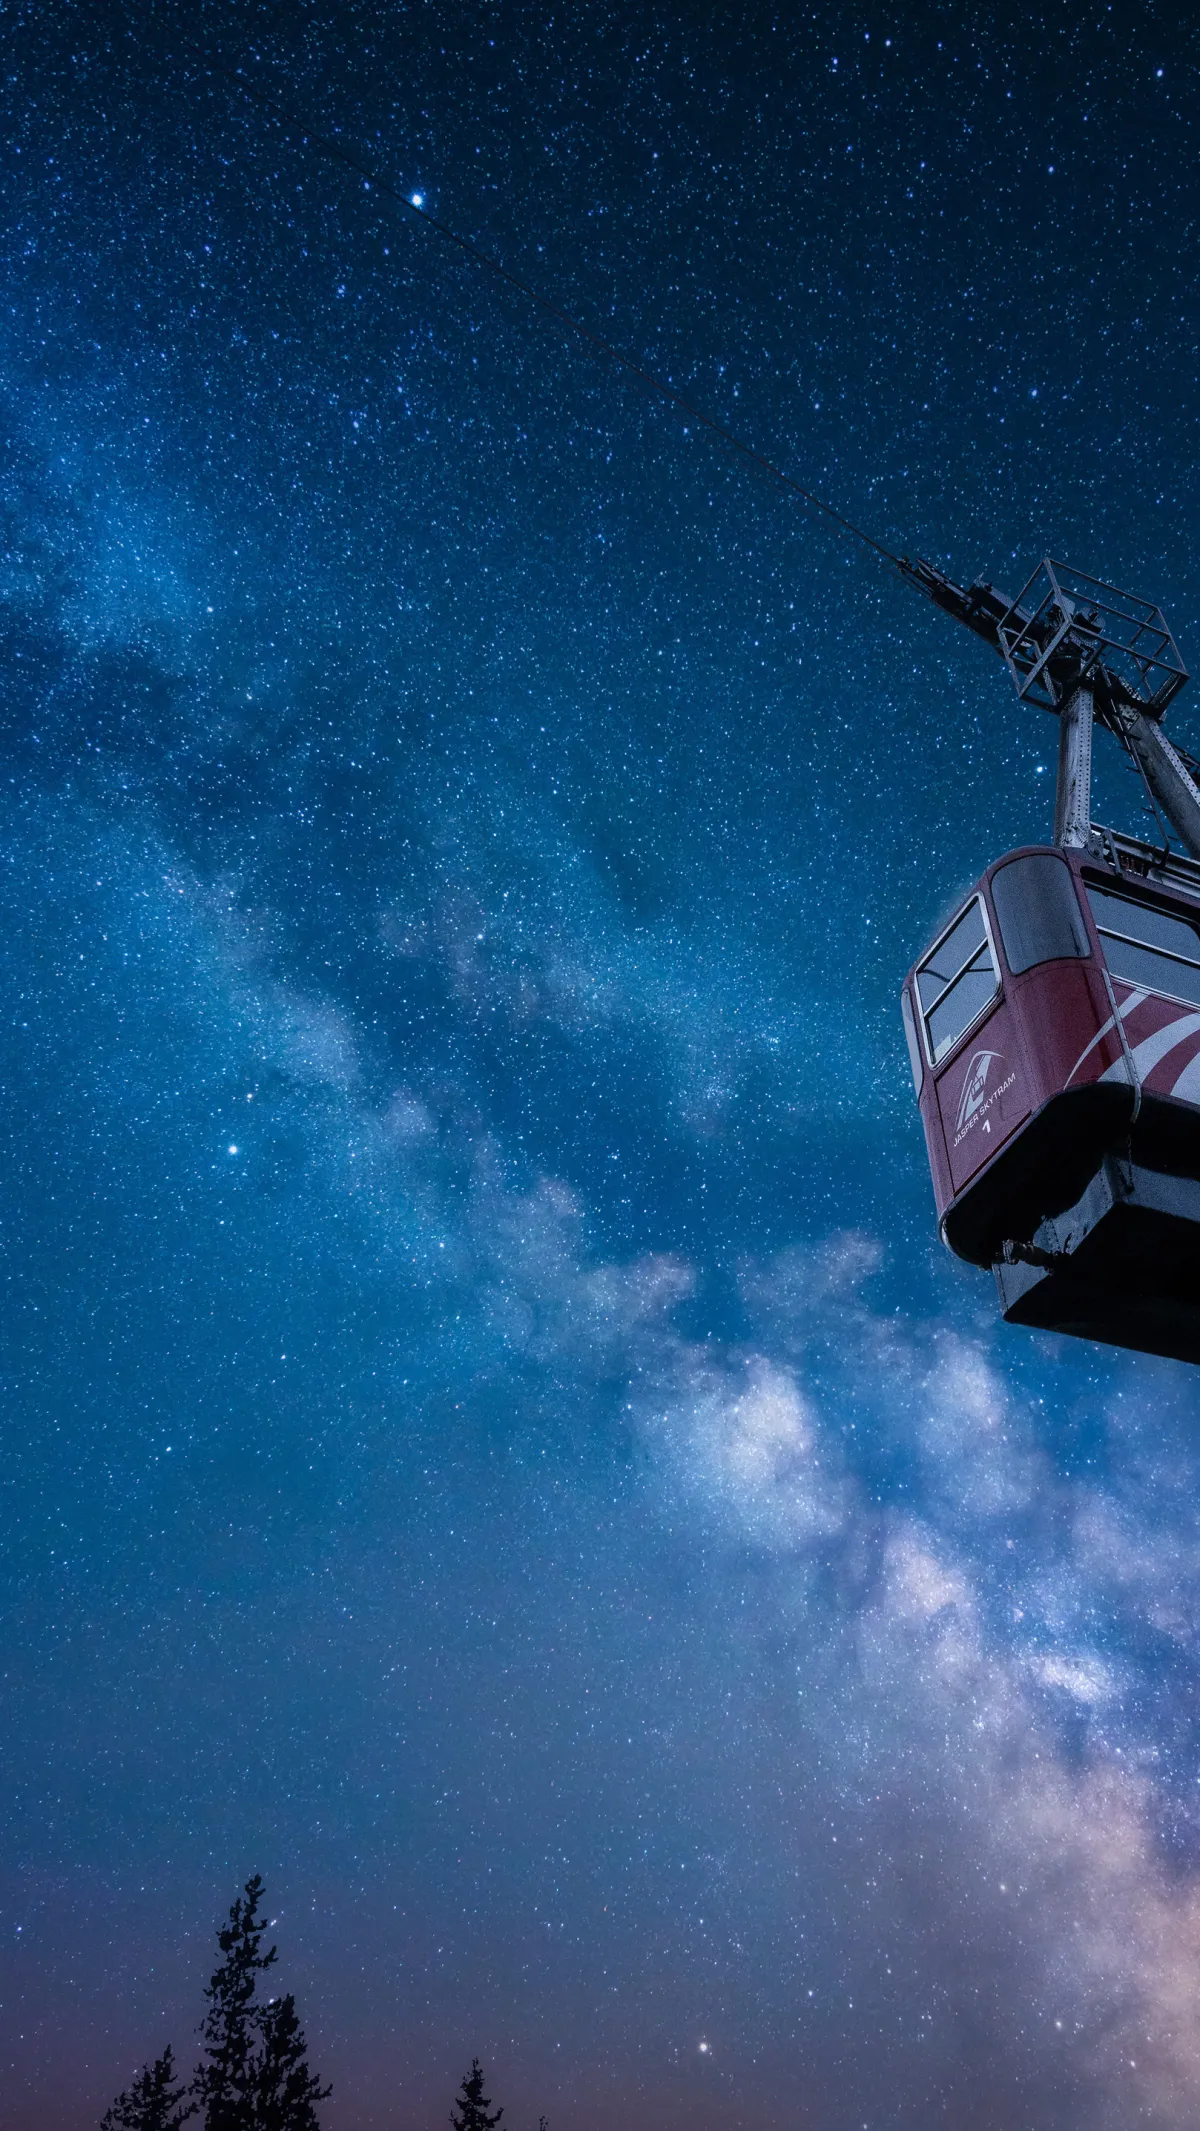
(1054, 1032)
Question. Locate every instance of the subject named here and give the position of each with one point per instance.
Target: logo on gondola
(974, 1090)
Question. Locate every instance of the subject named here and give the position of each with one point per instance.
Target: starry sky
(491, 1439)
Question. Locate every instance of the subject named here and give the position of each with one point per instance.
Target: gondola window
(1146, 946)
(957, 981)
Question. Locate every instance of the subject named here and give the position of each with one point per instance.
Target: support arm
(1168, 778)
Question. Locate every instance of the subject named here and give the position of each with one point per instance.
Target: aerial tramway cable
(757, 460)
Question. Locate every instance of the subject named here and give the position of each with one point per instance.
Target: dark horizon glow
(491, 1438)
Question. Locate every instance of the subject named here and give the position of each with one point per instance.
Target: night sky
(491, 1437)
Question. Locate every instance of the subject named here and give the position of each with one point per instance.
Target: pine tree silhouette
(153, 2102)
(284, 2088)
(225, 2084)
(471, 2106)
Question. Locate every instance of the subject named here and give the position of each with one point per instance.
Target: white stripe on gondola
(1152, 1049)
(1135, 999)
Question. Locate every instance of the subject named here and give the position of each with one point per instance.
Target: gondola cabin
(1054, 1023)
(1054, 1032)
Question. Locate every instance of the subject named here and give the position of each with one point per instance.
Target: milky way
(491, 1438)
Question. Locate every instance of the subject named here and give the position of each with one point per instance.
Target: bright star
(233, 1150)
(418, 199)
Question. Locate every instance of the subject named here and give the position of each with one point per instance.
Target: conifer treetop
(471, 2105)
(154, 2102)
(224, 2083)
(255, 2075)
